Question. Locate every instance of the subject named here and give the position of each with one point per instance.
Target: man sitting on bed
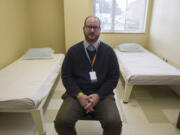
(90, 72)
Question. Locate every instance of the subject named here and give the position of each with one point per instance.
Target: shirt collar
(86, 44)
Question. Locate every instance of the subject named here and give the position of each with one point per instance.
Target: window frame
(126, 32)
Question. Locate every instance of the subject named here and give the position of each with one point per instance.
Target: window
(121, 15)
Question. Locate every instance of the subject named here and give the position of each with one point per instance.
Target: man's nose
(92, 29)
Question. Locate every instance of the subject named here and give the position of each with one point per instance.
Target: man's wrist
(79, 95)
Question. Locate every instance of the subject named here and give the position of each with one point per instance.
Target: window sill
(108, 32)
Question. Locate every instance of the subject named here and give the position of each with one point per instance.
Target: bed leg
(37, 116)
(127, 92)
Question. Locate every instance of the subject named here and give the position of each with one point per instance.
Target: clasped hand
(88, 102)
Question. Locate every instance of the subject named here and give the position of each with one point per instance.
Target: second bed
(144, 68)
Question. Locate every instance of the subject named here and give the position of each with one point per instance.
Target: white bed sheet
(144, 68)
(24, 83)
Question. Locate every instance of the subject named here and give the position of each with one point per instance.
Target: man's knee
(63, 122)
(112, 123)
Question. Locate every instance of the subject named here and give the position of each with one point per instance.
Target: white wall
(164, 39)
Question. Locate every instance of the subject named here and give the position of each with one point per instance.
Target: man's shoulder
(105, 46)
(76, 47)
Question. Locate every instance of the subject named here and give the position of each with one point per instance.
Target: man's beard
(91, 40)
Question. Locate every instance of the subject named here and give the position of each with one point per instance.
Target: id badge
(93, 76)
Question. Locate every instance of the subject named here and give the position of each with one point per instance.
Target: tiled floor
(152, 110)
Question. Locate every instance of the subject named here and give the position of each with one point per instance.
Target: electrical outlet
(164, 59)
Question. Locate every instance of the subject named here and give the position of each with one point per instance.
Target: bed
(144, 68)
(26, 86)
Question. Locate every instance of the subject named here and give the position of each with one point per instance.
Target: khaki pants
(105, 111)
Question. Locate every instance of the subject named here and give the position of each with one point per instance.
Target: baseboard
(175, 88)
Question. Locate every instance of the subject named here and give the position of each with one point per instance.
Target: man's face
(92, 29)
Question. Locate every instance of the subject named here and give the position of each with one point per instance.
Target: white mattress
(24, 83)
(144, 68)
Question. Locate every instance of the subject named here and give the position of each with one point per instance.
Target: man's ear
(83, 27)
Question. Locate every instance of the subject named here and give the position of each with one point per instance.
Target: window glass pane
(135, 15)
(121, 15)
(104, 12)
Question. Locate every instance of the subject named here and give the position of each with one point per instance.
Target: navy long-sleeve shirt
(76, 68)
